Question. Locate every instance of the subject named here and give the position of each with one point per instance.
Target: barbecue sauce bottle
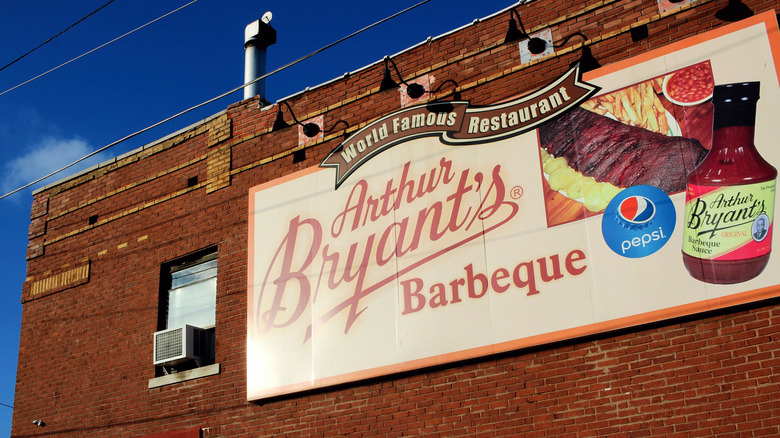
(729, 204)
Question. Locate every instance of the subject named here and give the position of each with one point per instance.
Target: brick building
(166, 236)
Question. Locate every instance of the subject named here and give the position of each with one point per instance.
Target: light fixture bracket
(309, 129)
(587, 61)
(414, 90)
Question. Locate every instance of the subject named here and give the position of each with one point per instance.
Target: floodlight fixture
(414, 90)
(309, 129)
(734, 11)
(536, 45)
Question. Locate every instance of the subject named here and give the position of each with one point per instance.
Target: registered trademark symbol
(517, 192)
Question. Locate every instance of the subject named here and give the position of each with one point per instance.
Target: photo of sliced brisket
(621, 154)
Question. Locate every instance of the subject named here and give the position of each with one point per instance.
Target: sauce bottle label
(729, 222)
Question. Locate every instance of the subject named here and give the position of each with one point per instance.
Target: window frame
(166, 280)
(190, 369)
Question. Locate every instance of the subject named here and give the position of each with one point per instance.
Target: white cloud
(48, 155)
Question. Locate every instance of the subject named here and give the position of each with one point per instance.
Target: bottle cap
(739, 92)
(735, 104)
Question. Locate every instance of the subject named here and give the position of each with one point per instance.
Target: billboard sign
(454, 231)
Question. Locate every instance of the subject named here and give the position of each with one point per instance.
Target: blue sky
(173, 64)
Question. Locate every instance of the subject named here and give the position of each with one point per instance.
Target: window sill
(183, 376)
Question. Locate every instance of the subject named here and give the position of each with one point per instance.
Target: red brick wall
(86, 347)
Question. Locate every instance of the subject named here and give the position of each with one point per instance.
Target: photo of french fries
(637, 105)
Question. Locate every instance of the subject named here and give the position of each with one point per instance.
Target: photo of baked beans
(690, 86)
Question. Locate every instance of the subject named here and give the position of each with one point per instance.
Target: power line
(110, 145)
(55, 36)
(8, 406)
(98, 47)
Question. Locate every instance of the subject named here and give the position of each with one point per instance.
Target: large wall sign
(477, 235)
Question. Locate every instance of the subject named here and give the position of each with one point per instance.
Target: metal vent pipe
(258, 36)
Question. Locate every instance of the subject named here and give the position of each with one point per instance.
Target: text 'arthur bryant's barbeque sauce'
(729, 204)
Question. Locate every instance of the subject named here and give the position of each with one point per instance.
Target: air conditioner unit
(180, 344)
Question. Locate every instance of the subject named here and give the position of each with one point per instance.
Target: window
(192, 297)
(188, 296)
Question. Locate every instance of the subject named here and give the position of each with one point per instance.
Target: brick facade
(98, 240)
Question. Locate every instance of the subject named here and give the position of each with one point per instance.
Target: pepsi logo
(640, 221)
(636, 210)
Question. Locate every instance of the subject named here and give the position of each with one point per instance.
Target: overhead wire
(213, 99)
(55, 36)
(99, 47)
